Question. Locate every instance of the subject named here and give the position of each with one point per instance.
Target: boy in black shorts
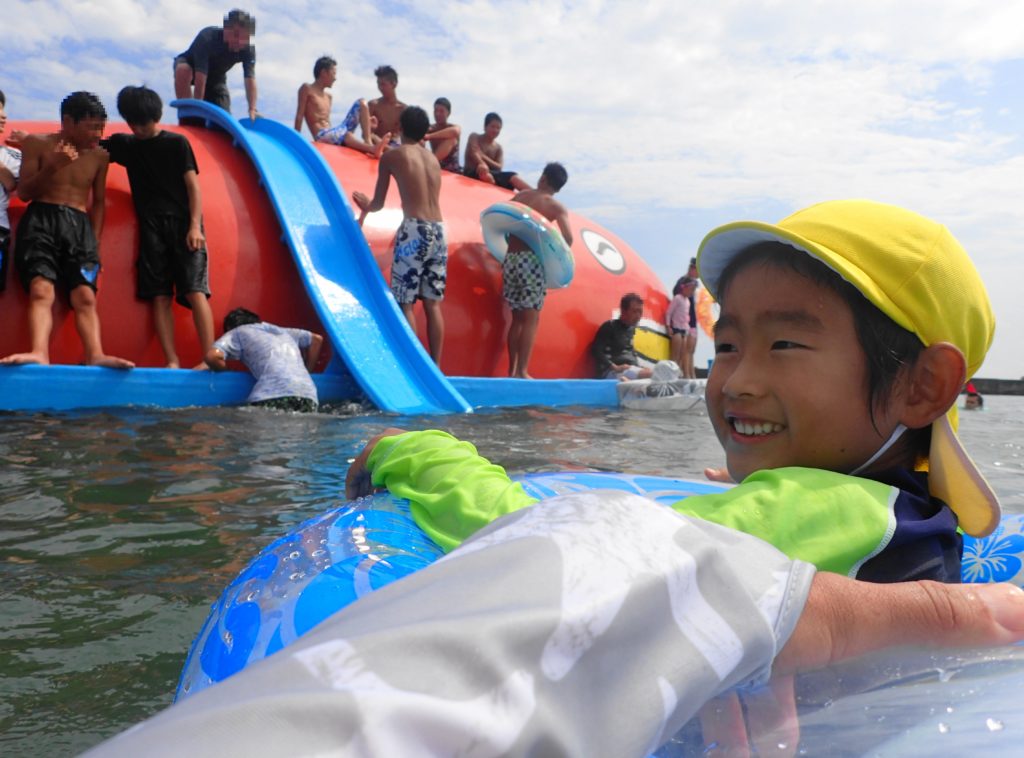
(64, 178)
(165, 190)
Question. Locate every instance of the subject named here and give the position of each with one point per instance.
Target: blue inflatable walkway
(341, 277)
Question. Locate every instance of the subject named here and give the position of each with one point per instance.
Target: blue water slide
(337, 268)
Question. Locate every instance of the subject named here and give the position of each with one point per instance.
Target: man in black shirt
(211, 55)
(613, 352)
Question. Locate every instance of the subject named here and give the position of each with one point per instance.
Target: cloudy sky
(672, 117)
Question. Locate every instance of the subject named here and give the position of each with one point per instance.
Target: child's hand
(16, 137)
(718, 475)
(195, 239)
(359, 480)
(64, 153)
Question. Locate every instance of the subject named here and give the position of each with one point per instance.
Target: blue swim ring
(507, 218)
(337, 557)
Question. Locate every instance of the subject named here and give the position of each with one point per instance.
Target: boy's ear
(934, 382)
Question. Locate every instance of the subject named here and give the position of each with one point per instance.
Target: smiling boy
(847, 333)
(57, 242)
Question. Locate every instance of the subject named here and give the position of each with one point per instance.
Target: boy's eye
(786, 345)
(724, 347)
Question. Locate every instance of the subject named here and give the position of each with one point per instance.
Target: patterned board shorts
(420, 267)
(523, 283)
(335, 135)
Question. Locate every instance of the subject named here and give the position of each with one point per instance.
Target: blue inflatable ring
(335, 558)
(502, 219)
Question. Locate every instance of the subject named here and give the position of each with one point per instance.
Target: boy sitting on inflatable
(846, 334)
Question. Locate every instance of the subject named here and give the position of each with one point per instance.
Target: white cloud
(655, 107)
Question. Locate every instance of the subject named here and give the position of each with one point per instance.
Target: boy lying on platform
(846, 334)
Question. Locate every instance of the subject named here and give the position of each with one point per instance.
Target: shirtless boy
(387, 108)
(57, 236)
(315, 106)
(420, 266)
(444, 137)
(485, 158)
(522, 272)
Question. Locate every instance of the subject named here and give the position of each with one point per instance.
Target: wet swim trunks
(290, 403)
(501, 178)
(523, 280)
(420, 267)
(56, 242)
(166, 266)
(335, 135)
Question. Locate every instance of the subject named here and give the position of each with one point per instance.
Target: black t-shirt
(208, 54)
(156, 170)
(613, 344)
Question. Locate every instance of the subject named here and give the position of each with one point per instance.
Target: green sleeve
(452, 489)
(834, 521)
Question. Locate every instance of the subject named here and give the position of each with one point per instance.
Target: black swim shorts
(56, 242)
(501, 178)
(166, 266)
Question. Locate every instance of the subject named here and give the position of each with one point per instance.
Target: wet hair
(386, 72)
(978, 397)
(237, 17)
(492, 116)
(80, 105)
(445, 102)
(322, 63)
(556, 175)
(888, 348)
(139, 105)
(415, 122)
(240, 317)
(629, 299)
(3, 98)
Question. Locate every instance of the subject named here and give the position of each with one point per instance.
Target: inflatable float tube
(337, 557)
(503, 219)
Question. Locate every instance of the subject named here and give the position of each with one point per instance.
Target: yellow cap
(914, 271)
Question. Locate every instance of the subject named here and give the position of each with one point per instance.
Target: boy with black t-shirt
(162, 172)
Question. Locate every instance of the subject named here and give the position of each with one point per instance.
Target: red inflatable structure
(251, 267)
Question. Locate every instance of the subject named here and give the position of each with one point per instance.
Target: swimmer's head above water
(846, 334)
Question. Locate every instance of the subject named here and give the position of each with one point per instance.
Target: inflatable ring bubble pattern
(503, 219)
(331, 560)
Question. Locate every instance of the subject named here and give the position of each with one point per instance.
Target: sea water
(118, 529)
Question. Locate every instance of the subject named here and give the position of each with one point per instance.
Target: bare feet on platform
(382, 145)
(22, 359)
(109, 361)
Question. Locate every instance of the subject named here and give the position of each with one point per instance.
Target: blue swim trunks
(335, 135)
(420, 267)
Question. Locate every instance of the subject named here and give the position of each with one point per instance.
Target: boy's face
(440, 114)
(385, 86)
(3, 119)
(789, 383)
(236, 37)
(493, 129)
(84, 134)
(632, 315)
(329, 76)
(145, 131)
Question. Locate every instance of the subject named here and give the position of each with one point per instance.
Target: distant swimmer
(315, 107)
(57, 241)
